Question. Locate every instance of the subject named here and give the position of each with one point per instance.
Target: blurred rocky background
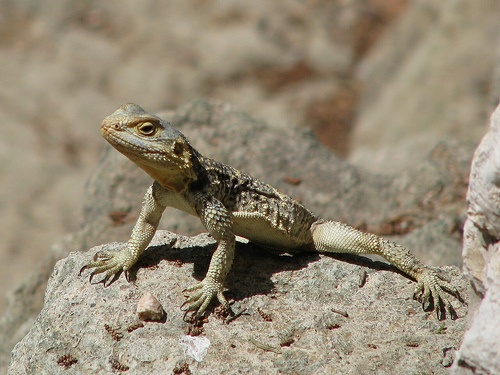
(379, 82)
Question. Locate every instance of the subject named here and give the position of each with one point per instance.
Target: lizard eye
(146, 128)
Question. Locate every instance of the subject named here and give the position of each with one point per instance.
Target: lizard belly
(170, 199)
(259, 229)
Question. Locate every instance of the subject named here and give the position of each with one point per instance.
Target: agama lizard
(228, 203)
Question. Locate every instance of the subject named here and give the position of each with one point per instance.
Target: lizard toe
(109, 263)
(206, 291)
(434, 294)
(193, 287)
(102, 256)
(193, 301)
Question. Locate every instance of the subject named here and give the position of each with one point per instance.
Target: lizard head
(153, 144)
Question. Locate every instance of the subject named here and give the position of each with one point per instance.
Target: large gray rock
(385, 329)
(480, 350)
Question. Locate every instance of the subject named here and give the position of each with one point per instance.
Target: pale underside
(251, 225)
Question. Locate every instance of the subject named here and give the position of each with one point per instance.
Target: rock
(149, 308)
(385, 329)
(480, 350)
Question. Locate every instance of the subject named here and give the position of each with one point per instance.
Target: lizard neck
(178, 179)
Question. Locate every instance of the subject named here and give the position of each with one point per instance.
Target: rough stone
(480, 350)
(384, 330)
(149, 308)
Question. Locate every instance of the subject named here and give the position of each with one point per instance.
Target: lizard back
(260, 212)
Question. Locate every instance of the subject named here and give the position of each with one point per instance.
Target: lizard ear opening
(178, 148)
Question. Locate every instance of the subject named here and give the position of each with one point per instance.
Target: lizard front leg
(332, 236)
(113, 262)
(219, 224)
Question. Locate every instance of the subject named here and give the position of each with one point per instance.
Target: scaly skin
(229, 203)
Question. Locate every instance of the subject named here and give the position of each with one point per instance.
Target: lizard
(229, 203)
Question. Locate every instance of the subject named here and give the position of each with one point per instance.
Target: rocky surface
(480, 350)
(310, 310)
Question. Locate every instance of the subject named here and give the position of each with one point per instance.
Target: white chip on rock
(195, 346)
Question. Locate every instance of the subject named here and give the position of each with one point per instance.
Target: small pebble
(149, 308)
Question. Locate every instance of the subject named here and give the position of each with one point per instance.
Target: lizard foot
(430, 291)
(205, 292)
(111, 263)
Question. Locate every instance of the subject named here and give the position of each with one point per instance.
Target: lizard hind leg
(432, 290)
(337, 237)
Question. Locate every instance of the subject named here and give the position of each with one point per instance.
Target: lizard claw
(430, 291)
(205, 292)
(110, 263)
